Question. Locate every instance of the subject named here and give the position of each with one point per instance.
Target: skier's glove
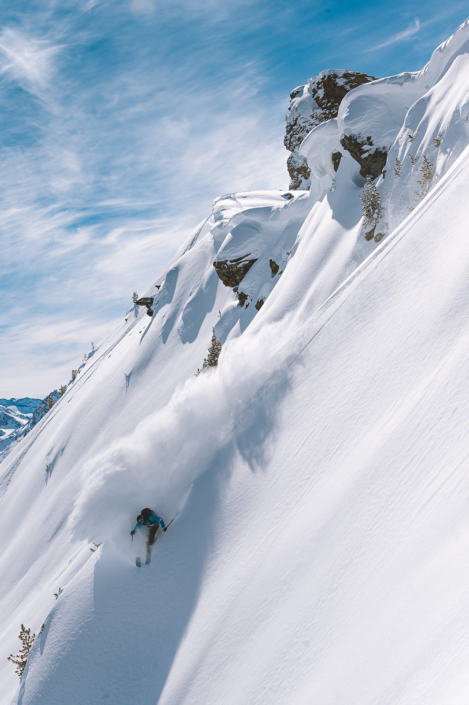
(132, 533)
(164, 531)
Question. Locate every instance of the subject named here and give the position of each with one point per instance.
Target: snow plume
(157, 463)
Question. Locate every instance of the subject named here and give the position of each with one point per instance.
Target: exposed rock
(274, 267)
(336, 157)
(242, 298)
(370, 234)
(372, 162)
(148, 302)
(299, 171)
(260, 304)
(232, 272)
(296, 130)
(311, 105)
(331, 88)
(379, 237)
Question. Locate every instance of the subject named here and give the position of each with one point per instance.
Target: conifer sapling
(371, 207)
(427, 177)
(213, 353)
(21, 659)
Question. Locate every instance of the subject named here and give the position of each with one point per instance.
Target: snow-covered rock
(311, 105)
(317, 476)
(389, 125)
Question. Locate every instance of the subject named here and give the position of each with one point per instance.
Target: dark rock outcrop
(329, 91)
(232, 272)
(148, 302)
(273, 267)
(242, 298)
(371, 162)
(311, 105)
(336, 157)
(299, 171)
(260, 303)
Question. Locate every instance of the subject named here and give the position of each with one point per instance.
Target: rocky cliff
(310, 105)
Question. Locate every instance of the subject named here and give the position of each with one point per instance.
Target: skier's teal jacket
(151, 520)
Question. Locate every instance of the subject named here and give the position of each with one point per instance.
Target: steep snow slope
(319, 473)
(328, 534)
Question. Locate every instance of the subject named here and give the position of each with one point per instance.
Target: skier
(150, 519)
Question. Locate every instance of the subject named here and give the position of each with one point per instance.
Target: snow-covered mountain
(19, 416)
(26, 405)
(11, 422)
(318, 475)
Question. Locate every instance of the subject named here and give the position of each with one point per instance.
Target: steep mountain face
(317, 476)
(311, 105)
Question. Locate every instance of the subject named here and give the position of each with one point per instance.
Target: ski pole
(174, 517)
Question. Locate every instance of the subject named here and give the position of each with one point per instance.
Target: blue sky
(121, 121)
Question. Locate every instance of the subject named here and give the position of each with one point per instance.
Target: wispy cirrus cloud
(411, 30)
(28, 60)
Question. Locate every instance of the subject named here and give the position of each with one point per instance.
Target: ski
(148, 558)
(138, 563)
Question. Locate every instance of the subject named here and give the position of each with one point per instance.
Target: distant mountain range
(26, 405)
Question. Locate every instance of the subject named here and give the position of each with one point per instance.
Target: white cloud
(27, 60)
(400, 36)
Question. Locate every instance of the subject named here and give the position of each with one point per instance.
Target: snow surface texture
(320, 472)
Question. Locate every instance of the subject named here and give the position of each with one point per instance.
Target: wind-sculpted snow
(391, 124)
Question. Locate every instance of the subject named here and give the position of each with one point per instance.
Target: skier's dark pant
(151, 534)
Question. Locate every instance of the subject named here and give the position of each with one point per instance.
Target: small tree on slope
(213, 353)
(427, 178)
(371, 207)
(22, 658)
